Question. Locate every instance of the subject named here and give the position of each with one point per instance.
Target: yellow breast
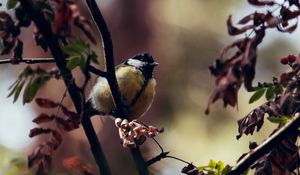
(130, 82)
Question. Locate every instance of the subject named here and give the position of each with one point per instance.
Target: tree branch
(266, 146)
(109, 58)
(49, 60)
(121, 107)
(76, 96)
(27, 61)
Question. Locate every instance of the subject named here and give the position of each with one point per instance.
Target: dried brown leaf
(287, 14)
(234, 30)
(46, 103)
(226, 88)
(67, 125)
(262, 2)
(290, 29)
(38, 131)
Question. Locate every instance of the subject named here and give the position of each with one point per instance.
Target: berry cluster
(288, 59)
(135, 133)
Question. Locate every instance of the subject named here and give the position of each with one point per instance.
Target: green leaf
(82, 64)
(74, 62)
(94, 58)
(26, 72)
(257, 95)
(270, 93)
(278, 89)
(14, 84)
(73, 50)
(32, 88)
(11, 4)
(212, 164)
(219, 166)
(226, 170)
(76, 48)
(18, 90)
(281, 120)
(13, 87)
(201, 168)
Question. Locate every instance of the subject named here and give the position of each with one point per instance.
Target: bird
(136, 84)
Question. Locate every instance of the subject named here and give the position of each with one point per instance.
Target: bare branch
(109, 58)
(28, 61)
(121, 107)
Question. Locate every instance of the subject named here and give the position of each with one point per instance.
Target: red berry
(291, 58)
(288, 59)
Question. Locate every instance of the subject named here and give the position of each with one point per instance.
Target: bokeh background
(185, 37)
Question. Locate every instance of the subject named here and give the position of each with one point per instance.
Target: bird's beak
(154, 64)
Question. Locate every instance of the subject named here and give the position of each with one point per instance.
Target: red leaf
(262, 2)
(62, 18)
(234, 30)
(38, 131)
(46, 103)
(67, 125)
(43, 118)
(71, 115)
(56, 139)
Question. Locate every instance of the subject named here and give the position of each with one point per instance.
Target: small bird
(136, 84)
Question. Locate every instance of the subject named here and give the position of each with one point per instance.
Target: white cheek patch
(136, 63)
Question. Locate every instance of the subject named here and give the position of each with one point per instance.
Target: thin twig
(158, 144)
(27, 61)
(164, 155)
(176, 158)
(157, 158)
(76, 96)
(265, 147)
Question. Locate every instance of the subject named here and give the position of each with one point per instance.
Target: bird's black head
(144, 62)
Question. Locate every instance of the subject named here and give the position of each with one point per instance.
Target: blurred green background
(185, 37)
